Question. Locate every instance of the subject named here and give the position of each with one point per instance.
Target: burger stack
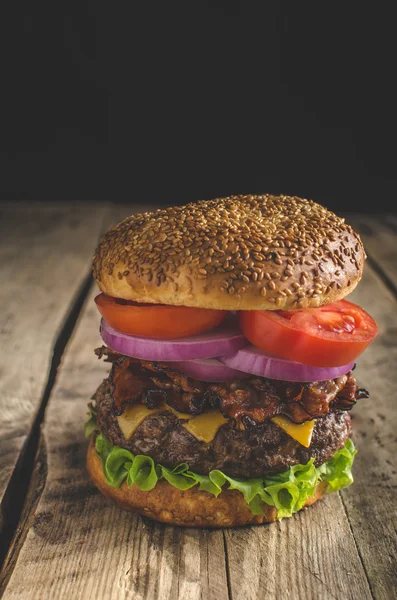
(231, 352)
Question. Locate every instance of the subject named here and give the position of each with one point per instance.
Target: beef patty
(263, 448)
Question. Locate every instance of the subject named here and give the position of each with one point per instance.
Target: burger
(231, 351)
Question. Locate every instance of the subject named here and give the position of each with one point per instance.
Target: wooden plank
(371, 504)
(33, 494)
(341, 551)
(379, 234)
(44, 260)
(312, 555)
(80, 545)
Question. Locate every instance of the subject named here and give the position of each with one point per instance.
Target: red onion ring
(255, 361)
(225, 339)
(209, 369)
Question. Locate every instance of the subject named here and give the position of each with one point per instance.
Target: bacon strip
(249, 402)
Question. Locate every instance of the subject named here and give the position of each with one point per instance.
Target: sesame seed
(237, 235)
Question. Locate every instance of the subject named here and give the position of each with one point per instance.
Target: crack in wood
(389, 283)
(317, 576)
(227, 566)
(367, 230)
(357, 546)
(19, 488)
(36, 486)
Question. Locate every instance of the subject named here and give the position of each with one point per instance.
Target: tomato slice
(160, 321)
(329, 336)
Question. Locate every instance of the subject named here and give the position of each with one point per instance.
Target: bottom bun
(189, 508)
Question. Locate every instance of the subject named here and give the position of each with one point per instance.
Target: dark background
(180, 100)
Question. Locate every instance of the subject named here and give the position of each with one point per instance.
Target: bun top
(240, 252)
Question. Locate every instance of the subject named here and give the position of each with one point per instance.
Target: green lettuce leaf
(287, 491)
(338, 470)
(179, 476)
(90, 426)
(142, 472)
(118, 465)
(103, 449)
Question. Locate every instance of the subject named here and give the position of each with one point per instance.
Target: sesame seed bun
(236, 253)
(189, 508)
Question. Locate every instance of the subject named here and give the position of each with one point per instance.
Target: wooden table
(61, 539)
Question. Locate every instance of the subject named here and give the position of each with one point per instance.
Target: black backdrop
(174, 101)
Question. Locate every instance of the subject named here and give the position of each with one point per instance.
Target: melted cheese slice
(178, 414)
(205, 426)
(134, 414)
(302, 433)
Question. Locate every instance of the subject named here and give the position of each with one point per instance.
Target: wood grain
(33, 494)
(379, 235)
(312, 555)
(364, 545)
(44, 259)
(371, 504)
(81, 546)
